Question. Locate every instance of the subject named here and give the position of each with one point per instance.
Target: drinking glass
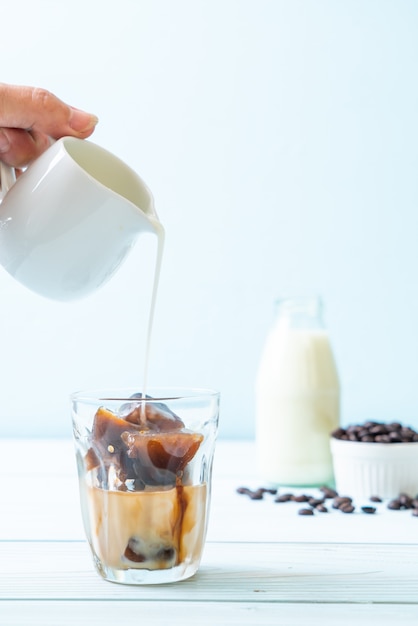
(145, 465)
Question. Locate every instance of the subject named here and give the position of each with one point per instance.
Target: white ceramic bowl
(365, 469)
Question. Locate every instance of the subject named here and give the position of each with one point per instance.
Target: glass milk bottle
(297, 397)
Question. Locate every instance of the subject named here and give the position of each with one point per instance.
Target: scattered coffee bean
(258, 494)
(346, 507)
(394, 505)
(368, 509)
(314, 502)
(305, 512)
(328, 492)
(301, 498)
(285, 497)
(254, 495)
(377, 432)
(342, 503)
(340, 500)
(405, 501)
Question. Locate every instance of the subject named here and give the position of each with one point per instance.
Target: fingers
(32, 108)
(18, 147)
(30, 116)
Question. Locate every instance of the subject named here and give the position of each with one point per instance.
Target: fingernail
(4, 142)
(82, 121)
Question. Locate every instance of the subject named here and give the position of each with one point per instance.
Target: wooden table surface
(263, 563)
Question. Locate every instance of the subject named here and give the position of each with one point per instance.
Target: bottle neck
(303, 312)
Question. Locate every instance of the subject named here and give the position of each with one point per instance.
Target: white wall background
(280, 139)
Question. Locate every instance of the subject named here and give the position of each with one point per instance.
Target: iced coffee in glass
(144, 464)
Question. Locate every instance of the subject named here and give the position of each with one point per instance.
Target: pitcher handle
(7, 179)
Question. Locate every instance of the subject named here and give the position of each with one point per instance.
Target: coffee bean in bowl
(377, 432)
(375, 457)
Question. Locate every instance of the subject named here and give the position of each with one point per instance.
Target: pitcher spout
(110, 171)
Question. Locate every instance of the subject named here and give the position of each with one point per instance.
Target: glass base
(134, 576)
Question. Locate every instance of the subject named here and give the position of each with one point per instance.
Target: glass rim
(124, 394)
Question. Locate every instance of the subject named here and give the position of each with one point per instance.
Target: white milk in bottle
(297, 398)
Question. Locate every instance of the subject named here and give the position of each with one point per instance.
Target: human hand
(31, 117)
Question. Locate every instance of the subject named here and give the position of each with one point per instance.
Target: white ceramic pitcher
(70, 219)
